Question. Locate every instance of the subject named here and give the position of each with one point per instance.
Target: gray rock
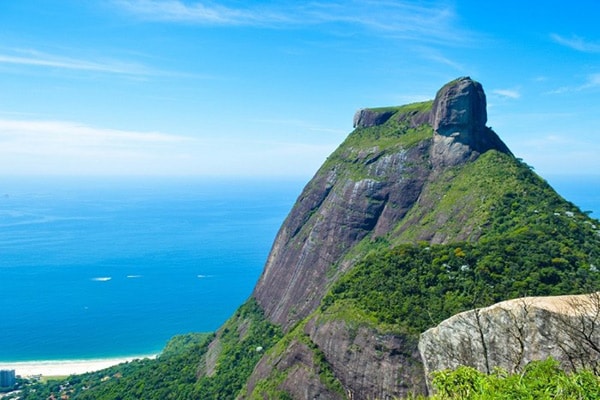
(332, 214)
(368, 363)
(458, 118)
(366, 118)
(301, 374)
(513, 333)
(460, 108)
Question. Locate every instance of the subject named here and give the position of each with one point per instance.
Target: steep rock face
(334, 213)
(460, 107)
(368, 363)
(512, 333)
(297, 373)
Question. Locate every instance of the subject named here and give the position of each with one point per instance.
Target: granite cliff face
(333, 214)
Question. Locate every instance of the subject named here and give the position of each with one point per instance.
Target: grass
(46, 379)
(363, 144)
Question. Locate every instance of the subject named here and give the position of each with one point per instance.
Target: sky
(269, 88)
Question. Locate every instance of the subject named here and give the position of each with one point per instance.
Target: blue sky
(269, 88)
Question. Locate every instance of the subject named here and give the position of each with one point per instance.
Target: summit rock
(458, 117)
(460, 108)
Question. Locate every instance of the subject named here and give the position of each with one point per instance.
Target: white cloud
(34, 58)
(199, 13)
(397, 18)
(434, 21)
(59, 147)
(507, 93)
(38, 59)
(576, 43)
(66, 148)
(434, 55)
(592, 81)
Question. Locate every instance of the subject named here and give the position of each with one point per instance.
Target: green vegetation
(531, 243)
(495, 190)
(174, 374)
(242, 340)
(270, 387)
(365, 144)
(414, 287)
(541, 380)
(170, 376)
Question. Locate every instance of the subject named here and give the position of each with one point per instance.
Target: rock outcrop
(299, 366)
(460, 107)
(368, 363)
(366, 118)
(512, 333)
(458, 118)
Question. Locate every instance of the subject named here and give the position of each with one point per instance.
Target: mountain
(367, 187)
(420, 214)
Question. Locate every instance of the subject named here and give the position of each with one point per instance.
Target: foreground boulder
(513, 333)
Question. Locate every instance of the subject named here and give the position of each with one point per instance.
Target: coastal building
(7, 378)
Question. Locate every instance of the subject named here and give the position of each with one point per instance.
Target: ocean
(93, 268)
(101, 269)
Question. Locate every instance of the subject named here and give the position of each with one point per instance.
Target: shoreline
(66, 367)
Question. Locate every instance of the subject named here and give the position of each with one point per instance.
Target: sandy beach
(64, 367)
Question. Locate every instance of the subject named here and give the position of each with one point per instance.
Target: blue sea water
(99, 269)
(583, 191)
(112, 268)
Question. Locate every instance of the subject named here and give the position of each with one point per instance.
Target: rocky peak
(458, 118)
(367, 191)
(460, 109)
(385, 185)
